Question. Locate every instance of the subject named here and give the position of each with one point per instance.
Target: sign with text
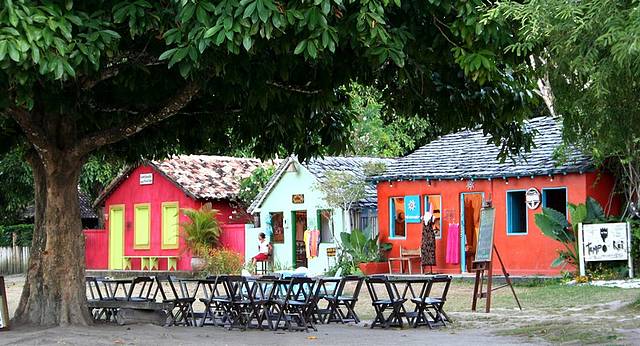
(604, 242)
(532, 198)
(146, 178)
(484, 248)
(331, 252)
(4, 308)
(412, 209)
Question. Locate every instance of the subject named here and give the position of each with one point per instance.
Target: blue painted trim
(426, 208)
(526, 213)
(392, 224)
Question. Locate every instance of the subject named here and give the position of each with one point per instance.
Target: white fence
(14, 260)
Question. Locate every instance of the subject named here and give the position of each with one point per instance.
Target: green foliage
(555, 225)
(381, 132)
(341, 189)
(588, 53)
(97, 173)
(361, 249)
(202, 231)
(223, 261)
(371, 169)
(16, 187)
(252, 185)
(24, 233)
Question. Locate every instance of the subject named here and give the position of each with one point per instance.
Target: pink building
(142, 211)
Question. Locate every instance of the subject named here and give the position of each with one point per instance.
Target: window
(396, 213)
(325, 225)
(277, 225)
(142, 229)
(516, 212)
(170, 225)
(433, 203)
(556, 199)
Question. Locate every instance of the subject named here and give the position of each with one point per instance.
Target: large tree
(152, 78)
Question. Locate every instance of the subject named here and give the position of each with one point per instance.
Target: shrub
(24, 232)
(223, 261)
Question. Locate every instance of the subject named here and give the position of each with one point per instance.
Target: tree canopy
(588, 52)
(132, 79)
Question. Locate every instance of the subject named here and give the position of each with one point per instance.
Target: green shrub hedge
(25, 233)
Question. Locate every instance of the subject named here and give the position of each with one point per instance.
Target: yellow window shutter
(142, 223)
(170, 225)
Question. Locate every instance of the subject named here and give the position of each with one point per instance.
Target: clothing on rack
(312, 242)
(453, 244)
(428, 246)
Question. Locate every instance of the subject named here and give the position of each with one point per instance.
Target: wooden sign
(146, 178)
(331, 252)
(4, 308)
(297, 198)
(604, 242)
(483, 263)
(484, 248)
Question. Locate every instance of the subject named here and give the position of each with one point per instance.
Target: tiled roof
(467, 154)
(318, 167)
(199, 176)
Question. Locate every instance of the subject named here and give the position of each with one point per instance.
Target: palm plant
(202, 232)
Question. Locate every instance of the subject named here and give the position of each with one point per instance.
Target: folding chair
(296, 305)
(96, 294)
(182, 311)
(381, 304)
(434, 304)
(144, 294)
(242, 307)
(341, 299)
(264, 294)
(214, 301)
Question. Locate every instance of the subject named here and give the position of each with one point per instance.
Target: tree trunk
(54, 292)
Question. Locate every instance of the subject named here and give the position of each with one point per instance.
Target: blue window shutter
(392, 217)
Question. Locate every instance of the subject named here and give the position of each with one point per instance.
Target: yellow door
(116, 237)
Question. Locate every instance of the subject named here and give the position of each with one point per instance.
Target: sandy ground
(468, 329)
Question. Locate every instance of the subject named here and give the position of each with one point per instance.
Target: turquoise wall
(279, 200)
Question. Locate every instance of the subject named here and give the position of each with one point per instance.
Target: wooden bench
(151, 262)
(406, 255)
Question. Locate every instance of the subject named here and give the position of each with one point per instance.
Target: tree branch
(116, 134)
(294, 88)
(113, 66)
(34, 133)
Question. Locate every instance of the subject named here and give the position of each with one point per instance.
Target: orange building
(452, 177)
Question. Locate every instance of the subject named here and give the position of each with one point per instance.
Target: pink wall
(233, 237)
(96, 248)
(130, 192)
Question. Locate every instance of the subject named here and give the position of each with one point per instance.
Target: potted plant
(201, 233)
(365, 253)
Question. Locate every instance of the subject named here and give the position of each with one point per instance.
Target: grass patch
(558, 333)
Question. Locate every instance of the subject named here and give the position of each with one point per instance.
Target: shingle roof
(199, 176)
(86, 211)
(467, 154)
(318, 167)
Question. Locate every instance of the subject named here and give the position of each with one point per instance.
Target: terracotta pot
(197, 264)
(371, 268)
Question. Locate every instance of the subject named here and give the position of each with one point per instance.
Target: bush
(24, 231)
(223, 261)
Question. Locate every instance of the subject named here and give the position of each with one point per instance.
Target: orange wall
(527, 254)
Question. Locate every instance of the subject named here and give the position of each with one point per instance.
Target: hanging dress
(428, 248)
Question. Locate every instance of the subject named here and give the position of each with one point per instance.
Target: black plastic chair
(432, 305)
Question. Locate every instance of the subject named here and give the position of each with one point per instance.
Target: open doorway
(299, 222)
(470, 205)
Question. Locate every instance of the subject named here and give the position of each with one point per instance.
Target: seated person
(264, 248)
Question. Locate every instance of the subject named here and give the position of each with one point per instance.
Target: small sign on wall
(412, 209)
(331, 252)
(532, 198)
(146, 178)
(297, 198)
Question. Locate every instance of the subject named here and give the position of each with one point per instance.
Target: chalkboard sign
(4, 309)
(484, 248)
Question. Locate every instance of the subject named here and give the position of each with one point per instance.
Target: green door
(116, 237)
